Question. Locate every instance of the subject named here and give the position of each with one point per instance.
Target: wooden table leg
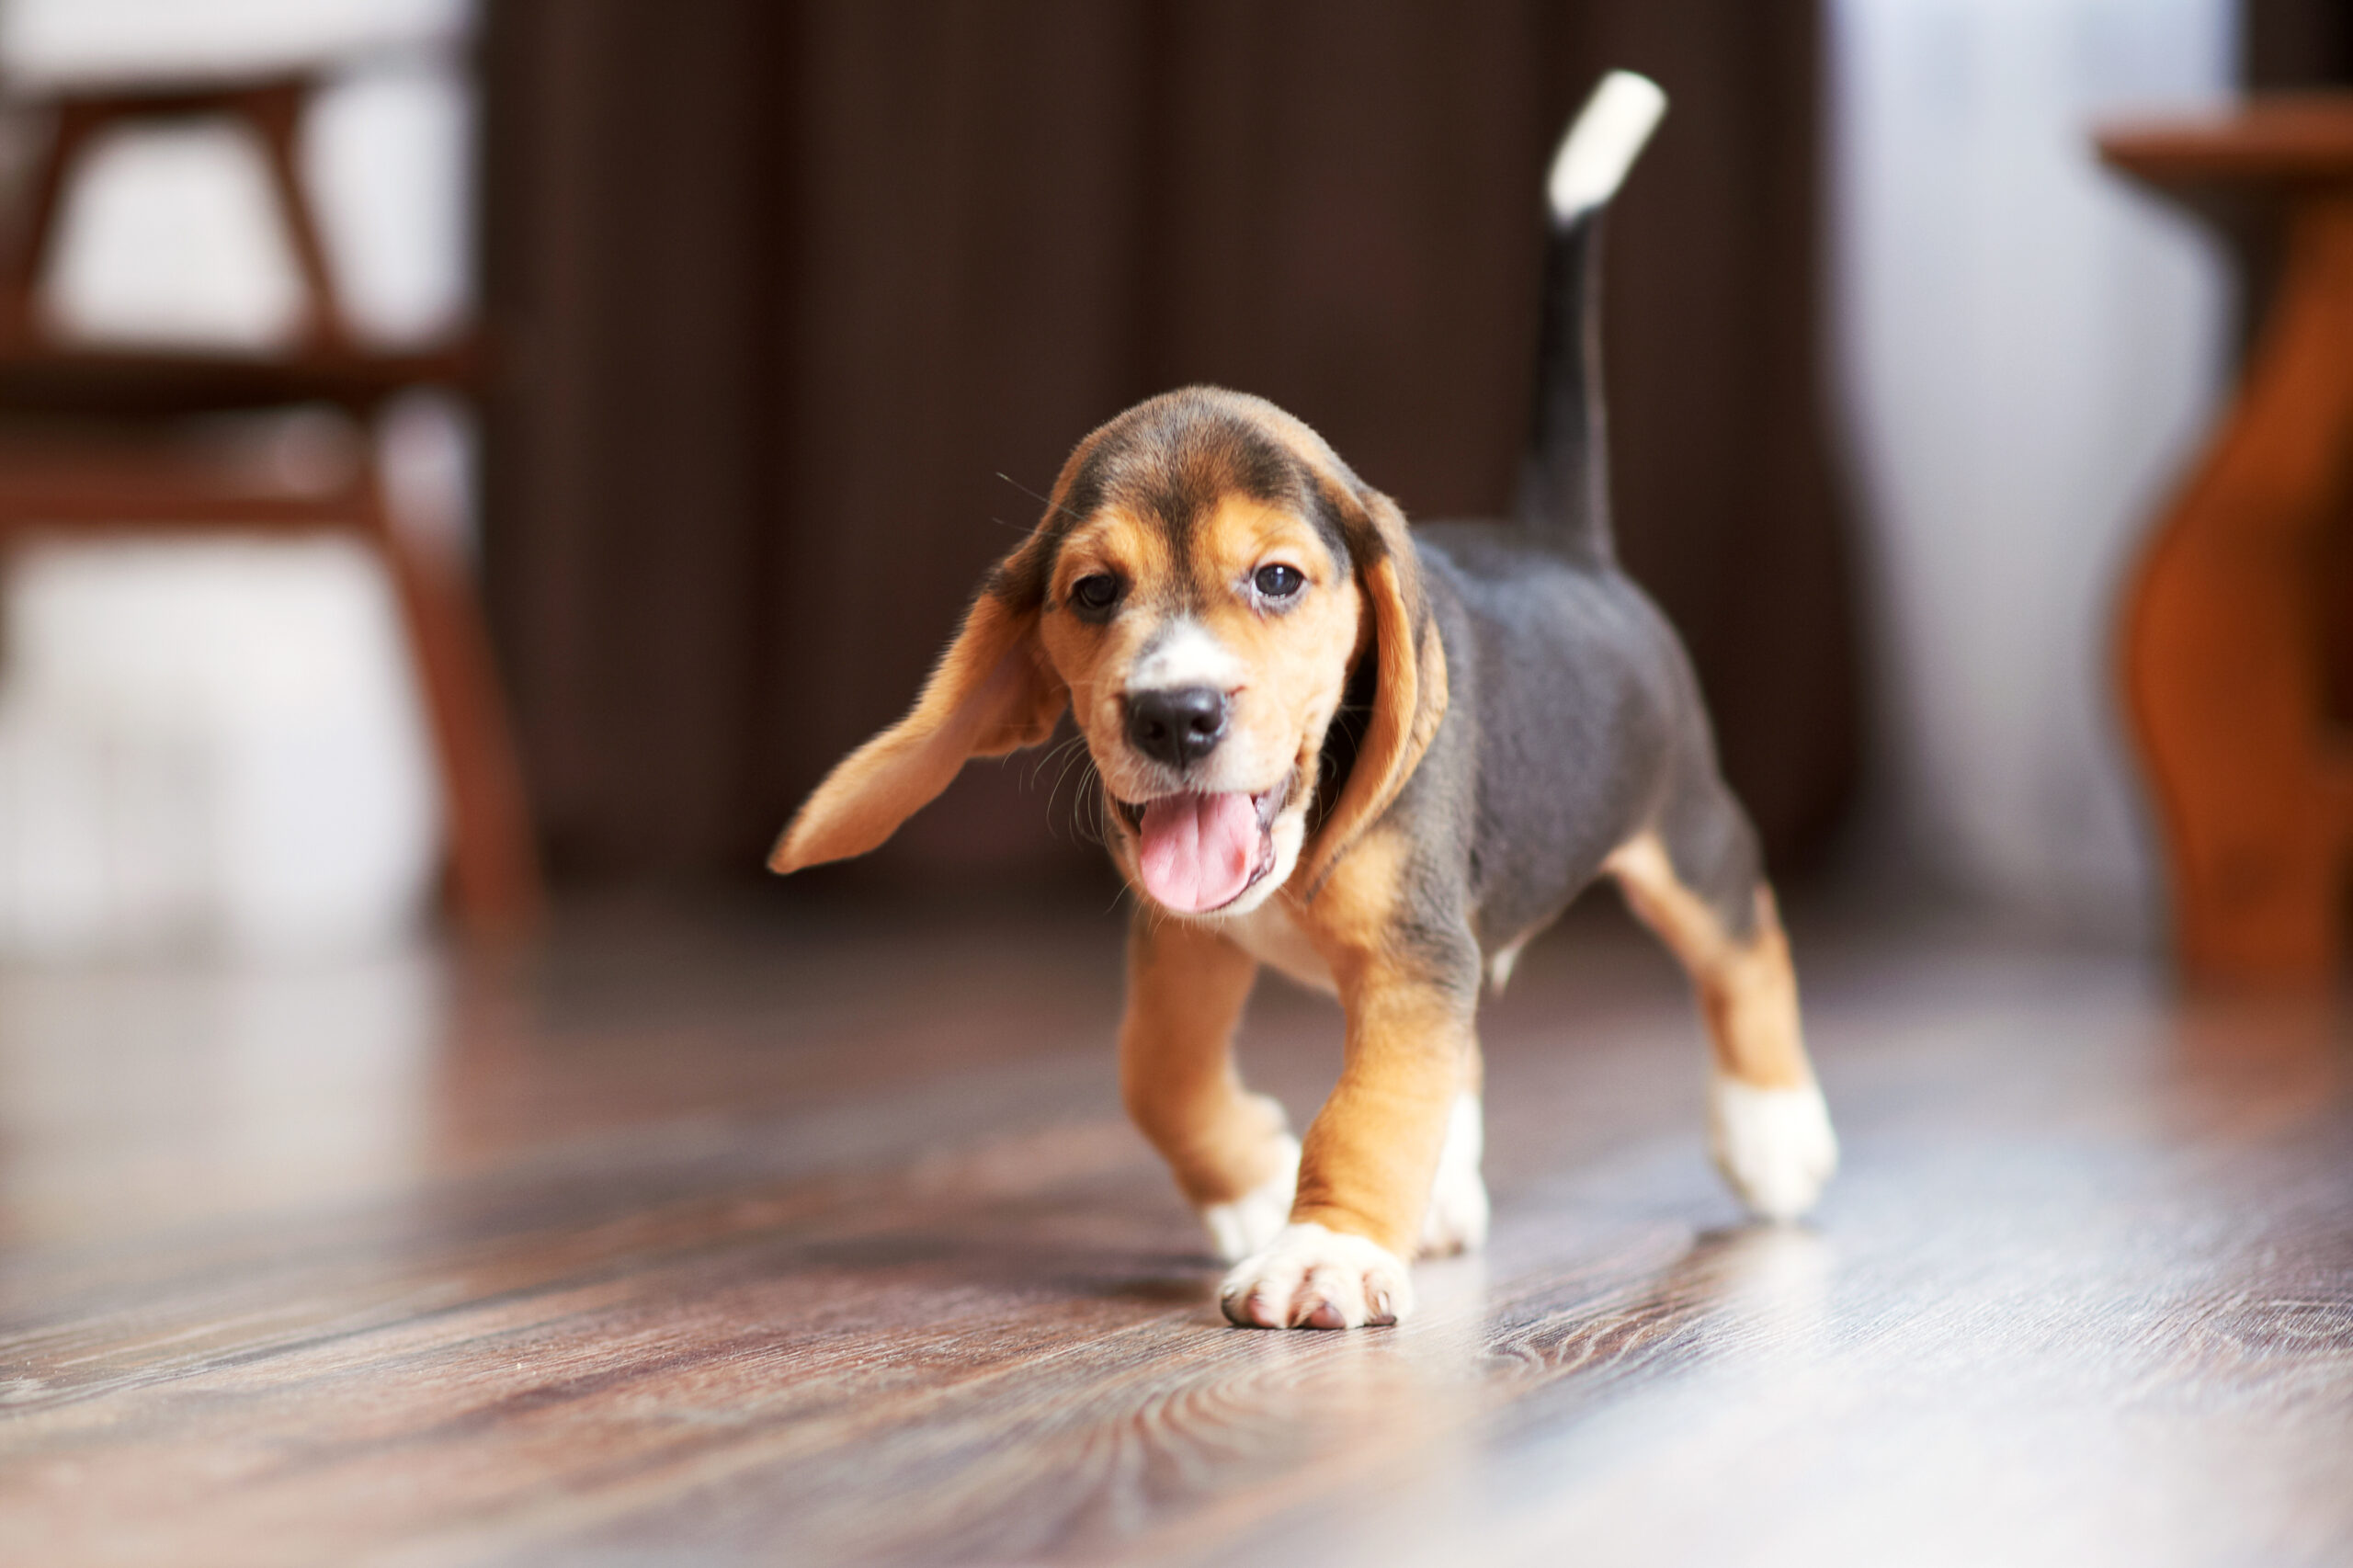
(2224, 645)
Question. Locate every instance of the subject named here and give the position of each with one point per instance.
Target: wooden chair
(103, 441)
(2235, 659)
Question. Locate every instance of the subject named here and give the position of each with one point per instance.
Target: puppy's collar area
(1196, 852)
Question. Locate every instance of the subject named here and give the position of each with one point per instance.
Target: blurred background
(709, 352)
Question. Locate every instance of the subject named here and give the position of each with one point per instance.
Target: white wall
(221, 743)
(2028, 350)
(209, 742)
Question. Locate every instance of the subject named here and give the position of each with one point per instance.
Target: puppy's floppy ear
(1409, 687)
(993, 692)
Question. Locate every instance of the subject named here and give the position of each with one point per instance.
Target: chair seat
(112, 482)
(2292, 140)
(42, 379)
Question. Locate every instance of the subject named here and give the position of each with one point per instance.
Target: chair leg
(494, 864)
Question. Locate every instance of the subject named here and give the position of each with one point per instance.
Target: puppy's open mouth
(1198, 853)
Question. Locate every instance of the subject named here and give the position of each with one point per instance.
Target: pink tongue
(1198, 850)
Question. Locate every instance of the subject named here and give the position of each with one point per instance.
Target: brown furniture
(2233, 653)
(104, 439)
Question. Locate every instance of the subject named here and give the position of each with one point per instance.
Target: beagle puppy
(1378, 758)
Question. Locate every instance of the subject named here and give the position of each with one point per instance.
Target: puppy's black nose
(1177, 724)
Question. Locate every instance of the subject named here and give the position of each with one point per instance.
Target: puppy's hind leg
(1232, 1152)
(1696, 882)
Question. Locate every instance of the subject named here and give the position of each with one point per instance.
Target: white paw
(1311, 1277)
(1457, 1218)
(1775, 1146)
(1250, 1221)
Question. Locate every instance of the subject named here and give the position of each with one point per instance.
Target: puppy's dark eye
(1279, 582)
(1098, 590)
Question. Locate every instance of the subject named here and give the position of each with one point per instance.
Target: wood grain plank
(732, 1240)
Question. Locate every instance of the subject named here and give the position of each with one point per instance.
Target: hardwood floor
(736, 1240)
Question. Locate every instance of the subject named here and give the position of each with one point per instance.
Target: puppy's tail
(1565, 482)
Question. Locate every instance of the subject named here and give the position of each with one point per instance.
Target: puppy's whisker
(1091, 822)
(1079, 799)
(1086, 829)
(1059, 751)
(1069, 755)
(1042, 500)
(1054, 794)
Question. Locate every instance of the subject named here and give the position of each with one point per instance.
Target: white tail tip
(1603, 144)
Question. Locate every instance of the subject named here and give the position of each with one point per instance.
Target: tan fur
(1408, 703)
(1747, 990)
(1092, 660)
(1185, 988)
(1350, 920)
(1367, 1159)
(1298, 661)
(991, 694)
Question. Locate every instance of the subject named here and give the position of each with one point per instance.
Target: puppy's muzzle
(1177, 725)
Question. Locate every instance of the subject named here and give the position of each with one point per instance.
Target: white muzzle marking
(1185, 653)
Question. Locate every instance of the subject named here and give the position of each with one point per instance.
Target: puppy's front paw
(1240, 1228)
(1775, 1146)
(1457, 1218)
(1309, 1277)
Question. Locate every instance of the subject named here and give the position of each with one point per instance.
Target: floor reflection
(134, 1096)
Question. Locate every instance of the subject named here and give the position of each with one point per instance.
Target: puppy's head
(1207, 585)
